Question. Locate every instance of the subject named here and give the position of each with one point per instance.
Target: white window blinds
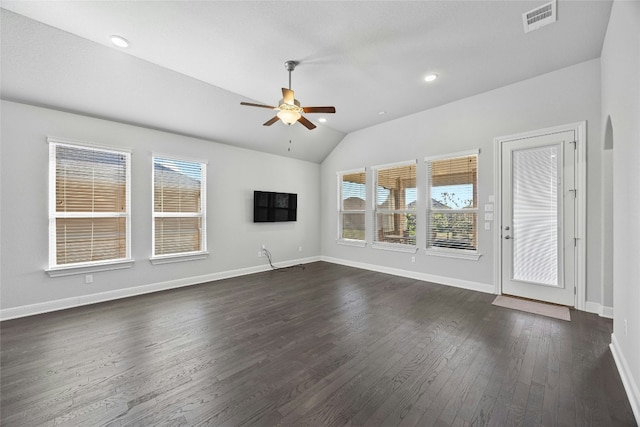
(178, 206)
(89, 219)
(352, 204)
(452, 208)
(536, 215)
(395, 204)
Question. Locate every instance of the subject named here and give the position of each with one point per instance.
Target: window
(178, 207)
(352, 204)
(452, 210)
(89, 217)
(395, 204)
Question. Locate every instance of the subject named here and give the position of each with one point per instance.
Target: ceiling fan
(289, 109)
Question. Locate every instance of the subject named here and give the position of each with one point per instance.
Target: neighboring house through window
(89, 208)
(352, 205)
(452, 210)
(179, 222)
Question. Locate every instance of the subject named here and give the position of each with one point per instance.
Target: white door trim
(580, 132)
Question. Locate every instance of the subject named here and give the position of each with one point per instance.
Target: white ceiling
(190, 63)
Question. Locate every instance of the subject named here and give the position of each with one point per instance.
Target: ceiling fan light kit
(287, 115)
(289, 110)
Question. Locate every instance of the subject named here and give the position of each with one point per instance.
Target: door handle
(507, 237)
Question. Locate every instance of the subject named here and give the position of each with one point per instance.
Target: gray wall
(564, 96)
(621, 104)
(233, 239)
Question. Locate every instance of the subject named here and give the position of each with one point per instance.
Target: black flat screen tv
(269, 206)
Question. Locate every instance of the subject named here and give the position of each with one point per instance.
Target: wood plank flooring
(326, 345)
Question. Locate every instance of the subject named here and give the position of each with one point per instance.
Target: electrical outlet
(88, 278)
(299, 248)
(259, 254)
(264, 246)
(413, 259)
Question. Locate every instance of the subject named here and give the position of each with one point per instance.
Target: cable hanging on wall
(273, 267)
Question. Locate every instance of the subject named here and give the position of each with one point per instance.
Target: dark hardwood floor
(320, 346)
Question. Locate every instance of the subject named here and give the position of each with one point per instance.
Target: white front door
(538, 211)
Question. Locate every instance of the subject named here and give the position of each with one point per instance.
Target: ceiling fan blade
(319, 109)
(306, 123)
(250, 104)
(271, 121)
(287, 96)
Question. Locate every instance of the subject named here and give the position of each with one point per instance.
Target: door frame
(579, 129)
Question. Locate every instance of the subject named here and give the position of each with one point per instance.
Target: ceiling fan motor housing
(290, 106)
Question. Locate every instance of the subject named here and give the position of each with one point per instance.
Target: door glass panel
(536, 208)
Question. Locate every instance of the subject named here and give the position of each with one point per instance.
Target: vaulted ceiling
(191, 63)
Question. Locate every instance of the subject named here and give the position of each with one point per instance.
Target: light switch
(487, 226)
(488, 216)
(488, 207)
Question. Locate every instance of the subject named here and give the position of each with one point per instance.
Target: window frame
(399, 247)
(341, 211)
(179, 256)
(56, 270)
(468, 254)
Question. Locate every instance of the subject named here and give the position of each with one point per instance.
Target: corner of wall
(629, 383)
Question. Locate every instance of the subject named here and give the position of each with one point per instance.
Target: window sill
(351, 242)
(168, 259)
(468, 255)
(72, 270)
(396, 247)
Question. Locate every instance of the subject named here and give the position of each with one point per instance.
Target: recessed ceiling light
(119, 41)
(382, 113)
(430, 77)
(322, 120)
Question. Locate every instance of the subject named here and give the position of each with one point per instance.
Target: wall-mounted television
(269, 206)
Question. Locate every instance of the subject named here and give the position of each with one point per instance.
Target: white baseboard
(599, 309)
(458, 283)
(62, 304)
(629, 383)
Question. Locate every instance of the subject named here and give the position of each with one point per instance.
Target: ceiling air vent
(539, 17)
